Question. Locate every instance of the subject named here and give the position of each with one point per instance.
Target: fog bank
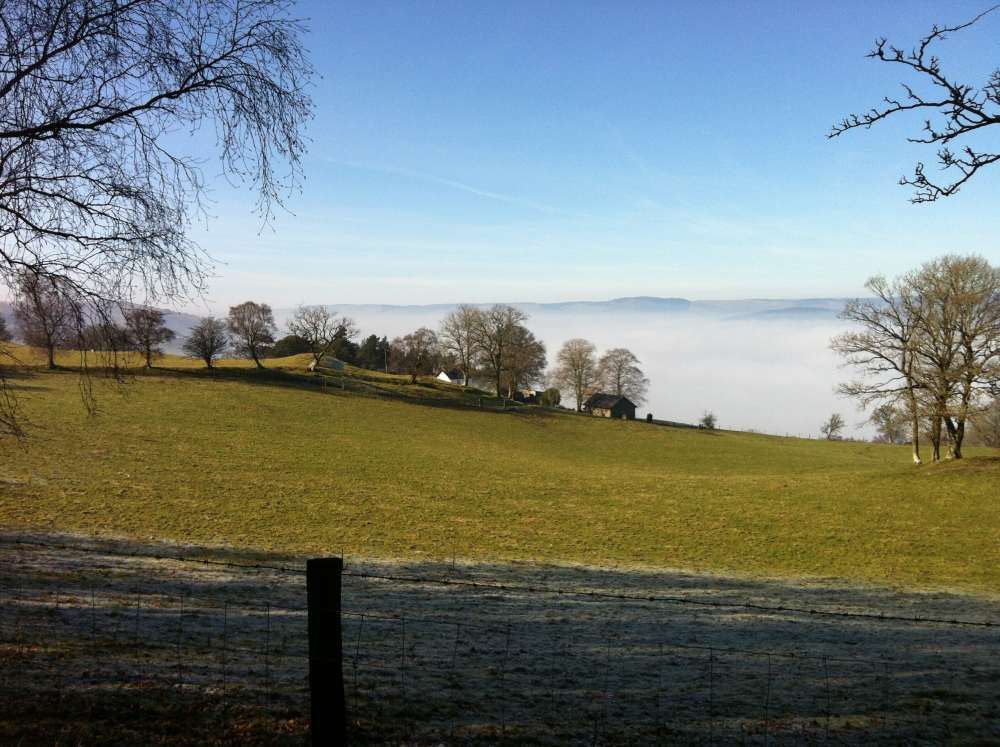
(765, 373)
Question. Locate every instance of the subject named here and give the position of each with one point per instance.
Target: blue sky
(545, 151)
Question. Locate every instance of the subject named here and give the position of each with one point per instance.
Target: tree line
(495, 344)
(492, 344)
(926, 346)
(95, 197)
(49, 317)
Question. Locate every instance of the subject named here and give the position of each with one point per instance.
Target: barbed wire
(721, 689)
(502, 629)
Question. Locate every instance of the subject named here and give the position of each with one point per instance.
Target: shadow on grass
(19, 387)
(139, 709)
(502, 662)
(16, 376)
(340, 385)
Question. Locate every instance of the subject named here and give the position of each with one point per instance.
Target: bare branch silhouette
(95, 97)
(960, 108)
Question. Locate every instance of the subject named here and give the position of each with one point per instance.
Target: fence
(107, 643)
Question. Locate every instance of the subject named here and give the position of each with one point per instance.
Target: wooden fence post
(328, 712)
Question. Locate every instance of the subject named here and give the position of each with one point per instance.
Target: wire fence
(108, 644)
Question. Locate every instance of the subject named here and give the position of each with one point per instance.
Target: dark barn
(610, 406)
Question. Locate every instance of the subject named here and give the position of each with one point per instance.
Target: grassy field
(275, 462)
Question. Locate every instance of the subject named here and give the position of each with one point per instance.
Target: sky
(550, 151)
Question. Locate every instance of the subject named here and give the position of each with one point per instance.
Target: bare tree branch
(961, 108)
(94, 193)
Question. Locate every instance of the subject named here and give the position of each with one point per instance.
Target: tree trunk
(936, 439)
(915, 425)
(256, 360)
(956, 434)
(149, 358)
(963, 414)
(52, 357)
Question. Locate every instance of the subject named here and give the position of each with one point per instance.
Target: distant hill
(740, 309)
(651, 304)
(792, 313)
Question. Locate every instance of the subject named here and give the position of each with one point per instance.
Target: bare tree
(524, 360)
(986, 424)
(930, 341)
(10, 413)
(884, 349)
(415, 354)
(252, 327)
(94, 192)
(458, 338)
(937, 351)
(963, 109)
(576, 369)
(89, 189)
(494, 329)
(104, 335)
(147, 330)
(708, 421)
(618, 373)
(891, 423)
(46, 310)
(960, 341)
(322, 330)
(208, 340)
(833, 427)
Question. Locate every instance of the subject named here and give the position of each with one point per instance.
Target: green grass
(276, 462)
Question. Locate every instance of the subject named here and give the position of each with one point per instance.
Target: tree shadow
(474, 652)
(416, 394)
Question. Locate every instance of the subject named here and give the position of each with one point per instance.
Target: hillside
(278, 461)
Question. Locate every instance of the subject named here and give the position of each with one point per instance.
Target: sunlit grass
(273, 461)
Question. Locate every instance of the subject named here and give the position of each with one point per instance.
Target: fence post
(328, 714)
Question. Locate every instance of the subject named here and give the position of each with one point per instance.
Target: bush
(550, 397)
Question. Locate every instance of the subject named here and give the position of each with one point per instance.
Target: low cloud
(772, 375)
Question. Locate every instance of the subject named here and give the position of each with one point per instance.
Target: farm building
(610, 406)
(528, 396)
(454, 376)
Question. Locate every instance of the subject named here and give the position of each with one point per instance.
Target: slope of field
(275, 462)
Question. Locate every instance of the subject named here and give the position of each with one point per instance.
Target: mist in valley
(758, 365)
